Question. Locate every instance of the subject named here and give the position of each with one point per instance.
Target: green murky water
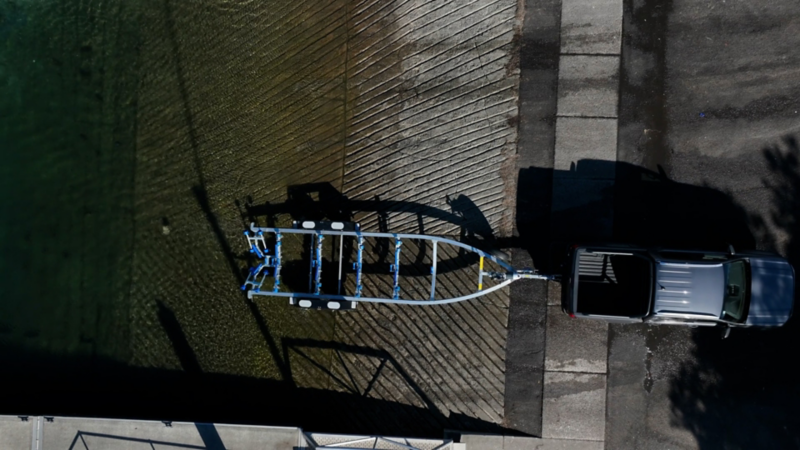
(131, 135)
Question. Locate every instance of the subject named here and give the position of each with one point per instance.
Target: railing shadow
(347, 370)
(360, 379)
(90, 387)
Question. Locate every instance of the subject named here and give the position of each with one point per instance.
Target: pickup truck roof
(689, 288)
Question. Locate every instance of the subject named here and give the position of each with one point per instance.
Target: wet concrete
(563, 355)
(642, 362)
(574, 406)
(588, 86)
(539, 53)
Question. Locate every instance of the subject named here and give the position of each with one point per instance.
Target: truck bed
(613, 284)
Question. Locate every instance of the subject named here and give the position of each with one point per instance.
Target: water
(67, 168)
(131, 135)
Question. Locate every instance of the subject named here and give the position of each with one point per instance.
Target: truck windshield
(733, 306)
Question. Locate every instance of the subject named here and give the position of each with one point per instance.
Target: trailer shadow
(740, 392)
(323, 202)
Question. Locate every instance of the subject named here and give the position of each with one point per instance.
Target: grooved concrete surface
(410, 102)
(432, 105)
(432, 100)
(432, 90)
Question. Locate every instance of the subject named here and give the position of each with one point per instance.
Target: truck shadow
(605, 201)
(742, 392)
(735, 393)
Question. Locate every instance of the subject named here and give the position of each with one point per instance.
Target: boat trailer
(271, 263)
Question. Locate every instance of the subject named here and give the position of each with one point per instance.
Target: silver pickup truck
(678, 287)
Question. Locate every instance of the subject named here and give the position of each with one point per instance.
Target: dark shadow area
(210, 436)
(395, 415)
(619, 294)
(534, 202)
(176, 336)
(474, 226)
(650, 209)
(95, 387)
(743, 392)
(639, 207)
(321, 201)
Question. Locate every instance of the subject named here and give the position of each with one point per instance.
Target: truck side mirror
(727, 332)
(731, 251)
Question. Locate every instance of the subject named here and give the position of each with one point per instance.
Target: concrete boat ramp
(437, 103)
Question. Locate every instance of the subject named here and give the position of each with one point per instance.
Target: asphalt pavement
(709, 122)
(706, 155)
